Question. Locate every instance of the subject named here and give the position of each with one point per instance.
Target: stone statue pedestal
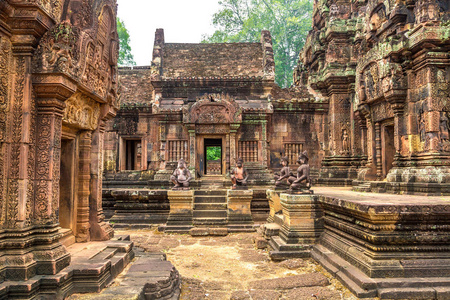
(273, 196)
(181, 211)
(274, 221)
(302, 226)
(239, 210)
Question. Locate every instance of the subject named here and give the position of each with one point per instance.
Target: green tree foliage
(287, 20)
(213, 153)
(125, 56)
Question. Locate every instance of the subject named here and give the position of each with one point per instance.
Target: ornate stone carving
(213, 109)
(82, 112)
(211, 129)
(57, 50)
(5, 65)
(372, 82)
(377, 17)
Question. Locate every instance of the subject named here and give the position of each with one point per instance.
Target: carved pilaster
(378, 149)
(51, 92)
(100, 230)
(84, 175)
(192, 148)
(233, 131)
(264, 142)
(398, 115)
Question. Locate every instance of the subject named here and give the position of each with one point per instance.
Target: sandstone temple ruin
(86, 146)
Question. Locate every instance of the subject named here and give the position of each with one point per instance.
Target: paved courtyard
(231, 267)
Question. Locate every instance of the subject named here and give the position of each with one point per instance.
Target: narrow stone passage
(231, 267)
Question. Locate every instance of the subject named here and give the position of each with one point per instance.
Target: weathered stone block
(239, 206)
(181, 210)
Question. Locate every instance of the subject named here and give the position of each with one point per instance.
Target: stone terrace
(231, 268)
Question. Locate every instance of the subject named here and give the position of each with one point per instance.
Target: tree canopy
(287, 20)
(125, 56)
(213, 153)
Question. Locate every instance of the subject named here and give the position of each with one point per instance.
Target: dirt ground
(231, 267)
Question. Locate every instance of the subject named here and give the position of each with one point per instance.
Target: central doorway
(213, 156)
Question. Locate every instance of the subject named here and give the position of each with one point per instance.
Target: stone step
(215, 192)
(210, 213)
(150, 276)
(210, 206)
(210, 221)
(210, 199)
(408, 293)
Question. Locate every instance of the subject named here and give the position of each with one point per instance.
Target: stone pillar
(370, 142)
(82, 233)
(239, 210)
(233, 131)
(303, 224)
(181, 211)
(192, 161)
(398, 115)
(99, 230)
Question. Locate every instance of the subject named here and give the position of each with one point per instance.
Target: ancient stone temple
(383, 68)
(195, 96)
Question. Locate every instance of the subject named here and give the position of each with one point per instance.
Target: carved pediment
(84, 49)
(213, 109)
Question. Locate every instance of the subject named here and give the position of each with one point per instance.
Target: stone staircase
(369, 186)
(212, 182)
(210, 208)
(363, 186)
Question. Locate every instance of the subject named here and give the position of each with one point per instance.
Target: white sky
(184, 21)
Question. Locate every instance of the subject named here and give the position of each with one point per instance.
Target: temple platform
(95, 266)
(213, 208)
(383, 245)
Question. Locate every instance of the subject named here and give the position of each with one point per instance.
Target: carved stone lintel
(82, 112)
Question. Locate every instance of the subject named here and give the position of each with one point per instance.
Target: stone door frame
(200, 155)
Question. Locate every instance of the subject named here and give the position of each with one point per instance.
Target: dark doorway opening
(132, 154)
(66, 184)
(388, 148)
(213, 156)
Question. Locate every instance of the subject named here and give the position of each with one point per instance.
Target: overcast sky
(184, 21)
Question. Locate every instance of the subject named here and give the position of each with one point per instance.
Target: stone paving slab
(231, 267)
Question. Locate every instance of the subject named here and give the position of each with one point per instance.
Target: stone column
(303, 224)
(239, 210)
(233, 131)
(181, 211)
(99, 229)
(192, 160)
(82, 233)
(378, 149)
